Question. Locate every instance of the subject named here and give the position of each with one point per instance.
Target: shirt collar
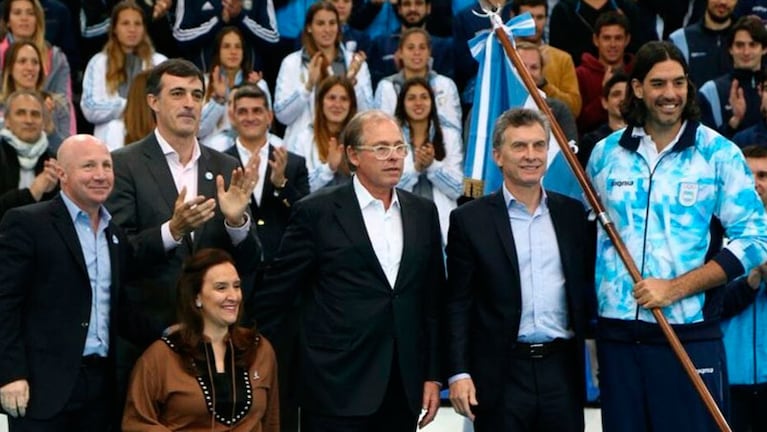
(168, 150)
(263, 152)
(75, 211)
(644, 137)
(509, 199)
(364, 198)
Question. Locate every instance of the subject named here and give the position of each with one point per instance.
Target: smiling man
(367, 260)
(64, 262)
(669, 185)
(730, 103)
(516, 300)
(27, 167)
(611, 37)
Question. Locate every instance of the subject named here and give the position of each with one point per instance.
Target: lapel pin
(208, 175)
(115, 240)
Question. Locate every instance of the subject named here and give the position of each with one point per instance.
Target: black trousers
(88, 409)
(748, 405)
(539, 395)
(394, 414)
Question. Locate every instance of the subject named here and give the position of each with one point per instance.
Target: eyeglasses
(383, 152)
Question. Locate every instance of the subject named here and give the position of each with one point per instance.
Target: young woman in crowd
(436, 172)
(24, 20)
(230, 67)
(335, 104)
(414, 53)
(211, 374)
(109, 74)
(23, 71)
(321, 55)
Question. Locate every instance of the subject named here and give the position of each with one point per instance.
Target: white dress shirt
(263, 153)
(384, 229)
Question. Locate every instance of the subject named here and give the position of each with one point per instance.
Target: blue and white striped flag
(499, 88)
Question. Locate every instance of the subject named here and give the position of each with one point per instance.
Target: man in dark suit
(518, 291)
(282, 180)
(63, 263)
(367, 259)
(282, 175)
(169, 194)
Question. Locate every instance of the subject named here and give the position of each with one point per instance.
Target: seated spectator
(731, 102)
(24, 20)
(382, 57)
(197, 22)
(352, 38)
(757, 133)
(559, 76)
(414, 53)
(23, 71)
(613, 94)
(436, 171)
(212, 373)
(321, 55)
(611, 36)
(702, 43)
(109, 74)
(319, 143)
(230, 67)
(27, 166)
(573, 22)
(137, 116)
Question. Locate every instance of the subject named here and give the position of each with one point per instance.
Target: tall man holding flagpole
(667, 182)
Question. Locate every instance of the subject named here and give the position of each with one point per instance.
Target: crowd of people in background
(216, 187)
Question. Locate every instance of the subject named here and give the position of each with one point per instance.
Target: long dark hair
(634, 109)
(190, 317)
(400, 114)
(322, 133)
(247, 63)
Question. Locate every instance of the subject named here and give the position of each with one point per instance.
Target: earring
(198, 304)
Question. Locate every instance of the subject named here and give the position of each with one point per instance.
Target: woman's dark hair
(322, 132)
(190, 316)
(247, 64)
(634, 109)
(400, 114)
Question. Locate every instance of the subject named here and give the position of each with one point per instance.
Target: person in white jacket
(108, 76)
(414, 54)
(231, 66)
(436, 171)
(322, 55)
(319, 143)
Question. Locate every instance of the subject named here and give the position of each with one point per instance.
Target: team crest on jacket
(688, 194)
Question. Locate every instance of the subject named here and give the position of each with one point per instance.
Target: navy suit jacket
(45, 302)
(484, 298)
(353, 323)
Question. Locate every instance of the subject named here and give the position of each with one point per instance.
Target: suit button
(83, 324)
